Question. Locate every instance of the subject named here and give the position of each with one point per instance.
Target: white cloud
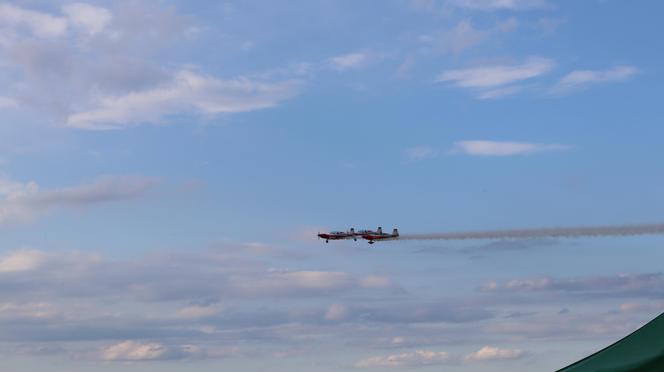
(350, 61)
(634, 307)
(497, 81)
(500, 92)
(285, 282)
(23, 202)
(143, 351)
(490, 353)
(463, 36)
(420, 153)
(7, 102)
(13, 209)
(104, 189)
(568, 325)
(496, 148)
(582, 78)
(375, 281)
(417, 358)
(199, 311)
(447, 7)
(89, 18)
(648, 284)
(187, 92)
(158, 279)
(337, 312)
(498, 75)
(176, 298)
(405, 68)
(30, 310)
(23, 260)
(492, 5)
(97, 68)
(39, 24)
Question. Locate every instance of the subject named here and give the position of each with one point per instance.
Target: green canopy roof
(641, 351)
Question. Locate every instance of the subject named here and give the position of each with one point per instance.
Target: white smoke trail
(554, 232)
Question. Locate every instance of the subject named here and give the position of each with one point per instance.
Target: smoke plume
(554, 232)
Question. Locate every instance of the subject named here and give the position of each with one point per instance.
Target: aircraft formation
(370, 235)
(550, 232)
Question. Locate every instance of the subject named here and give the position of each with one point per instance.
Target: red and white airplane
(339, 235)
(372, 237)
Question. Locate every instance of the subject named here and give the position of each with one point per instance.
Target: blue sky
(165, 166)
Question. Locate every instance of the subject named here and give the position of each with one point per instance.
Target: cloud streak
(498, 148)
(38, 23)
(418, 153)
(636, 285)
(490, 353)
(23, 202)
(494, 5)
(188, 92)
(131, 351)
(581, 79)
(350, 61)
(493, 81)
(422, 358)
(418, 358)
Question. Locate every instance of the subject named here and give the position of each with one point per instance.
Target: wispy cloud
(490, 353)
(463, 36)
(494, 81)
(38, 23)
(421, 358)
(502, 148)
(500, 92)
(194, 296)
(22, 202)
(567, 325)
(446, 7)
(251, 280)
(131, 351)
(88, 18)
(187, 92)
(350, 61)
(494, 76)
(648, 284)
(580, 79)
(417, 358)
(6, 103)
(91, 67)
(23, 260)
(420, 153)
(493, 5)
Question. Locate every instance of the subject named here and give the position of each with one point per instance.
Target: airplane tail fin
(380, 230)
(395, 232)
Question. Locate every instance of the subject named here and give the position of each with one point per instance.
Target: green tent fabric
(641, 351)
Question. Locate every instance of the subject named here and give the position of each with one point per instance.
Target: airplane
(339, 235)
(372, 237)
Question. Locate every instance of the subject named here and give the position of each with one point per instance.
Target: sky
(165, 167)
